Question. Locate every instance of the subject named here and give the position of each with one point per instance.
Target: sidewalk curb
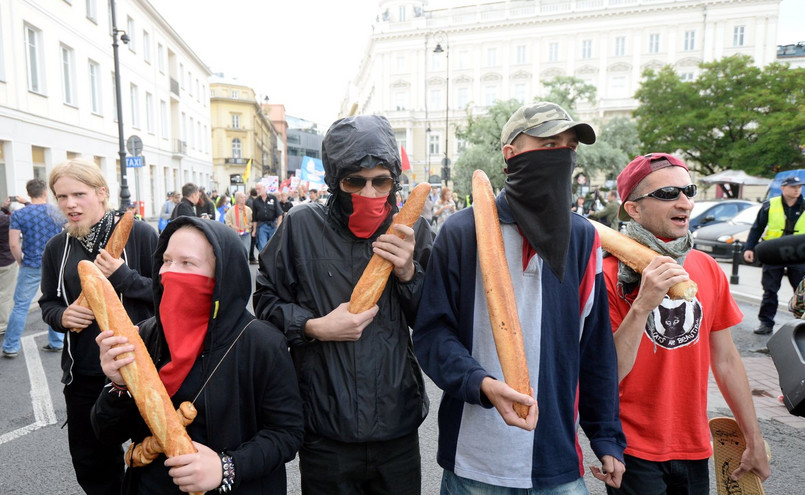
(754, 299)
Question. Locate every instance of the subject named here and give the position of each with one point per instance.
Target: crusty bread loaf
(500, 299)
(376, 274)
(637, 257)
(114, 246)
(141, 376)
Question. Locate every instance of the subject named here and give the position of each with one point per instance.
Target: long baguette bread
(376, 274)
(500, 300)
(114, 246)
(637, 257)
(141, 375)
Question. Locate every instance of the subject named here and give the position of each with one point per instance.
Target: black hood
(353, 143)
(232, 283)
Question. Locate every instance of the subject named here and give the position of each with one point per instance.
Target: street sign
(135, 145)
(134, 161)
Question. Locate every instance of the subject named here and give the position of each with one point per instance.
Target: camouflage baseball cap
(544, 119)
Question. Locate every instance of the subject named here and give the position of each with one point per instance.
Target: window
(401, 138)
(92, 11)
(463, 59)
(399, 64)
(235, 121)
(519, 92)
(199, 140)
(130, 31)
(491, 57)
(400, 100)
(436, 61)
(184, 127)
(738, 36)
(234, 94)
(620, 46)
(95, 87)
(161, 58)
(401, 13)
(490, 95)
(236, 148)
(553, 52)
(686, 77)
(520, 54)
(149, 112)
(192, 133)
(135, 106)
(204, 140)
(33, 56)
(463, 96)
(654, 43)
(435, 99)
(163, 118)
(617, 87)
(690, 40)
(146, 47)
(181, 75)
(587, 49)
(68, 74)
(433, 144)
(198, 90)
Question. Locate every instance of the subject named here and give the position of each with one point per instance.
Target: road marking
(41, 402)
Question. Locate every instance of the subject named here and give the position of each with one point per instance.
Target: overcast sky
(303, 53)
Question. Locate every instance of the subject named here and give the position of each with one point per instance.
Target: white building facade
(57, 96)
(505, 49)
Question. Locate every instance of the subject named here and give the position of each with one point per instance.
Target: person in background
(134, 208)
(187, 206)
(205, 208)
(239, 219)
(29, 231)
(235, 369)
(165, 213)
(8, 266)
(579, 208)
(443, 208)
(430, 202)
(777, 217)
(266, 215)
(667, 348)
(285, 202)
(250, 204)
(609, 214)
(83, 197)
(363, 391)
(221, 207)
(554, 258)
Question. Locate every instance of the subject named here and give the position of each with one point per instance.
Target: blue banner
(312, 170)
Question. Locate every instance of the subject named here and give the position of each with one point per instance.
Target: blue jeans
(264, 232)
(452, 484)
(27, 284)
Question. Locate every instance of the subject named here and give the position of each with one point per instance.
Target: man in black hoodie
(187, 206)
(82, 195)
(209, 350)
(362, 388)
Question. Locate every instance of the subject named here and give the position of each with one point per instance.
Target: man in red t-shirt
(666, 347)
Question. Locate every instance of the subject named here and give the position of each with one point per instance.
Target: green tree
(568, 91)
(735, 115)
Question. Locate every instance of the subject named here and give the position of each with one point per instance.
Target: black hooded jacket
(250, 407)
(371, 389)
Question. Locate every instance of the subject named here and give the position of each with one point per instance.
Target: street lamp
(441, 37)
(125, 196)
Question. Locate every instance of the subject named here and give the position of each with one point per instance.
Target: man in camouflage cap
(555, 265)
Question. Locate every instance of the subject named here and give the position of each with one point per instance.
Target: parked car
(719, 240)
(713, 212)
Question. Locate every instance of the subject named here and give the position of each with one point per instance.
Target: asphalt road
(34, 457)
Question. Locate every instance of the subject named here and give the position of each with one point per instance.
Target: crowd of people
(346, 391)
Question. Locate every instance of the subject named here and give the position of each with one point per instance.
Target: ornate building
(429, 65)
(57, 96)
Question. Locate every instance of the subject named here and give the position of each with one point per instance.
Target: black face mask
(538, 192)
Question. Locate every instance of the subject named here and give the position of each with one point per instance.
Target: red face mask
(184, 312)
(367, 215)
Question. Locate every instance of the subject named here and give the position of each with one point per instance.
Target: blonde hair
(81, 170)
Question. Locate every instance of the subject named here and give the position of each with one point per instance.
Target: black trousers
(98, 467)
(771, 279)
(251, 248)
(337, 468)
(644, 477)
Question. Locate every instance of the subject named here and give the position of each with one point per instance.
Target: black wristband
(228, 476)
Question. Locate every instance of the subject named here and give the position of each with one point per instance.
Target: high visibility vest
(776, 223)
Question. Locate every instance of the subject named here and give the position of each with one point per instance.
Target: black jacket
(250, 408)
(61, 287)
(184, 208)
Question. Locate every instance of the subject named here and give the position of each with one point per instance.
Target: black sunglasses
(353, 184)
(671, 193)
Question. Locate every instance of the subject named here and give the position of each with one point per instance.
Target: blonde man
(239, 218)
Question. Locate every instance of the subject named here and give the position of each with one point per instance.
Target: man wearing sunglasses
(363, 391)
(555, 266)
(667, 347)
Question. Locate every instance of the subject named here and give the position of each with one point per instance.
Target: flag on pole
(248, 171)
(406, 164)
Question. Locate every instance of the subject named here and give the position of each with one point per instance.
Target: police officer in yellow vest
(778, 216)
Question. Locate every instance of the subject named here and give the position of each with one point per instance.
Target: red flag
(406, 165)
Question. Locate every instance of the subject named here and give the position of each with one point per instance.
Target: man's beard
(76, 230)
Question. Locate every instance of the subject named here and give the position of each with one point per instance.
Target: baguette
(114, 246)
(376, 274)
(500, 301)
(141, 375)
(637, 257)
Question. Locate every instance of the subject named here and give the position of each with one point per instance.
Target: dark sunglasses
(671, 193)
(354, 184)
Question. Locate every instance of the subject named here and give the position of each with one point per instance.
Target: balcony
(179, 148)
(175, 88)
(235, 161)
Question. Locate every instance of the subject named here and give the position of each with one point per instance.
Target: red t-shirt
(663, 400)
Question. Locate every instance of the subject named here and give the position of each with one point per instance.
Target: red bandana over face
(368, 214)
(185, 313)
